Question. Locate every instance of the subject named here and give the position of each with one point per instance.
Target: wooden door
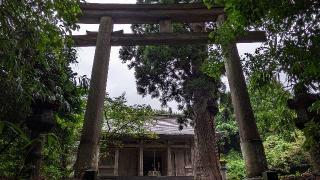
(128, 162)
(178, 162)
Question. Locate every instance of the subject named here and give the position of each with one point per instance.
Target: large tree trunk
(207, 165)
(207, 160)
(88, 147)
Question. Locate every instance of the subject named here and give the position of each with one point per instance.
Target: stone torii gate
(108, 14)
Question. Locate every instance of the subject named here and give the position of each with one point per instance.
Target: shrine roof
(168, 125)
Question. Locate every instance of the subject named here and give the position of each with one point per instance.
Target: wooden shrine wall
(181, 162)
(128, 162)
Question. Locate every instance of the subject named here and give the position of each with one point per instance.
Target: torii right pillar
(250, 141)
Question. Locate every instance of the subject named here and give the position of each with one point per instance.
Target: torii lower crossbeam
(119, 39)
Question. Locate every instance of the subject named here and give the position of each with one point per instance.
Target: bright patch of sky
(120, 78)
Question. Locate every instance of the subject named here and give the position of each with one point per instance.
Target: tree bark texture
(206, 160)
(251, 144)
(206, 155)
(88, 147)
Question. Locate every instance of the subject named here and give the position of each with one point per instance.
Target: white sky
(120, 78)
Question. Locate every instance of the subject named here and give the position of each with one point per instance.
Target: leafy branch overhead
(35, 56)
(35, 53)
(125, 120)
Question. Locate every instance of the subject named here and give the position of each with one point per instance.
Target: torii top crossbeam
(153, 14)
(148, 13)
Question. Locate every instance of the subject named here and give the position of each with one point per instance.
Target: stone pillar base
(267, 175)
(90, 175)
(270, 175)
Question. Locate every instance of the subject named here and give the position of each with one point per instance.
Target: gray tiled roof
(168, 125)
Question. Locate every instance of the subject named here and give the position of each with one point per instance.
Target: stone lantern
(41, 121)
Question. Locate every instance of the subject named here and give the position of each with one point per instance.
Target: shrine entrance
(154, 162)
(108, 14)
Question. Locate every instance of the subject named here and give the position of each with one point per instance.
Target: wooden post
(251, 144)
(169, 162)
(192, 156)
(116, 163)
(165, 26)
(91, 130)
(140, 160)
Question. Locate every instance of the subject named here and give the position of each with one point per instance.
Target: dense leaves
(271, 111)
(124, 120)
(293, 38)
(61, 145)
(35, 54)
(283, 143)
(171, 73)
(235, 165)
(287, 156)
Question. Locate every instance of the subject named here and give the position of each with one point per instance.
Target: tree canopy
(35, 56)
(122, 120)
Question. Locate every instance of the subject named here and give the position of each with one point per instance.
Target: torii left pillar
(87, 157)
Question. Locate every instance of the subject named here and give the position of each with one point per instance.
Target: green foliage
(15, 129)
(35, 56)
(292, 46)
(14, 144)
(315, 107)
(226, 114)
(269, 104)
(235, 165)
(293, 37)
(312, 133)
(283, 143)
(170, 73)
(121, 120)
(124, 120)
(213, 66)
(286, 156)
(226, 125)
(61, 146)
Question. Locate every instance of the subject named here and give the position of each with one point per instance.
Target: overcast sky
(120, 78)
